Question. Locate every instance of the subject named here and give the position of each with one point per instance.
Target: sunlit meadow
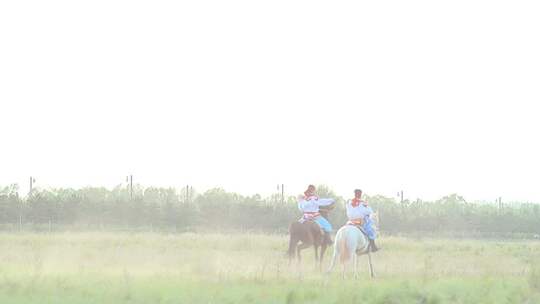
(252, 268)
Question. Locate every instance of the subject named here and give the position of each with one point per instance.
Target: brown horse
(307, 234)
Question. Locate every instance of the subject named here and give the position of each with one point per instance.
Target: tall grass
(252, 268)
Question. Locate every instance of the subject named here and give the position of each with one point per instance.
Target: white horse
(349, 244)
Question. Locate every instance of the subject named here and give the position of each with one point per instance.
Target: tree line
(170, 209)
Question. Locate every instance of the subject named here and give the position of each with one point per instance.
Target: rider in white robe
(310, 204)
(359, 213)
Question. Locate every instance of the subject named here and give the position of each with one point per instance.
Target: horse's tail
(343, 250)
(293, 241)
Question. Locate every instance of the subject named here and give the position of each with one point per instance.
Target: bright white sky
(432, 97)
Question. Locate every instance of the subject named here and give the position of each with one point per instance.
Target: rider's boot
(328, 238)
(372, 246)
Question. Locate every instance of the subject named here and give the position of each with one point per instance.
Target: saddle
(305, 219)
(309, 216)
(358, 223)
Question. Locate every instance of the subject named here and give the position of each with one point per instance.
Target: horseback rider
(359, 214)
(309, 204)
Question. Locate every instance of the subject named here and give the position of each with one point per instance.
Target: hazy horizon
(381, 96)
(264, 190)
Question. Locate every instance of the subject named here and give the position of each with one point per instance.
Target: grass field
(252, 268)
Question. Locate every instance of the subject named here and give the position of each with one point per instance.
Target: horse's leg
(355, 259)
(299, 248)
(344, 264)
(293, 242)
(334, 258)
(323, 250)
(292, 252)
(299, 256)
(351, 248)
(317, 256)
(298, 259)
(371, 272)
(336, 253)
